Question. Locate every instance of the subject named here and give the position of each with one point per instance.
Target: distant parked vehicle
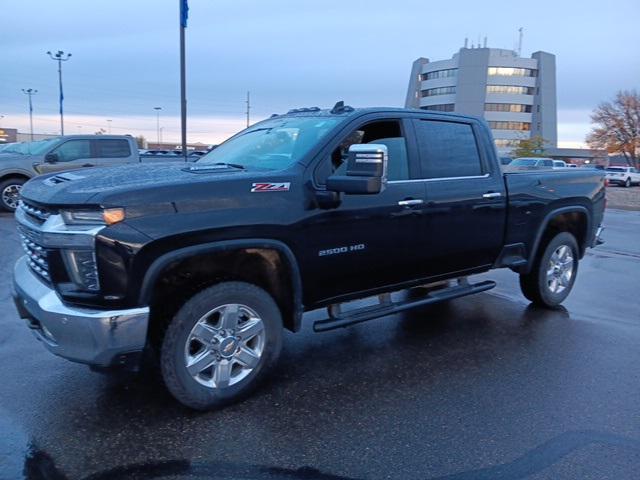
(625, 176)
(572, 165)
(505, 160)
(532, 162)
(558, 164)
(20, 162)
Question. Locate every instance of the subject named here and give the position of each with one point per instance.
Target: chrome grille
(38, 214)
(36, 254)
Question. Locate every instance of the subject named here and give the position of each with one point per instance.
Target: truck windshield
(273, 144)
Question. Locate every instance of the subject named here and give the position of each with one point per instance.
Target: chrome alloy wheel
(11, 195)
(560, 269)
(224, 346)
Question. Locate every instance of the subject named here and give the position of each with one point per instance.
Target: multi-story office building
(517, 96)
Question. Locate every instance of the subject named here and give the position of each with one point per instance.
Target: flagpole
(184, 12)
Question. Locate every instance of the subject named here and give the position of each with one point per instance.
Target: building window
(449, 72)
(438, 91)
(512, 72)
(510, 89)
(510, 126)
(443, 107)
(507, 107)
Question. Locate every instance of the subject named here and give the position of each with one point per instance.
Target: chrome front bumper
(95, 337)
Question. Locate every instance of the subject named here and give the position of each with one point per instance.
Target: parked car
(202, 266)
(559, 164)
(625, 176)
(22, 161)
(531, 162)
(505, 160)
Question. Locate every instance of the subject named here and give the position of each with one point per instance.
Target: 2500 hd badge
(338, 250)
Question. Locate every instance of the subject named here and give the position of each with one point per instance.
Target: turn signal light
(113, 215)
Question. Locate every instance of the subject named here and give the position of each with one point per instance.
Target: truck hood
(123, 185)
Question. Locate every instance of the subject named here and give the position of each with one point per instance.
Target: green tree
(617, 126)
(530, 147)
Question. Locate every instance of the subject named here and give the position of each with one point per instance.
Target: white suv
(625, 176)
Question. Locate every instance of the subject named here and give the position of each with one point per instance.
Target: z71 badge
(271, 187)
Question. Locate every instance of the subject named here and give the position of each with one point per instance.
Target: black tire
(627, 183)
(535, 284)
(8, 200)
(186, 388)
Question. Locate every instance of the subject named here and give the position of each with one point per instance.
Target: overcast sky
(288, 54)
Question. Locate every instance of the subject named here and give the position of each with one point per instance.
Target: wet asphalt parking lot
(483, 387)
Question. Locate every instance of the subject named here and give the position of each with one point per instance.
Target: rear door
(465, 194)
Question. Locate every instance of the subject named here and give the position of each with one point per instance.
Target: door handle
(491, 195)
(410, 202)
(88, 165)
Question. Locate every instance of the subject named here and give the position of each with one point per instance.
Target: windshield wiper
(234, 165)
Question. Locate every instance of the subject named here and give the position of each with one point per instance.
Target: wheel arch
(6, 175)
(575, 219)
(260, 255)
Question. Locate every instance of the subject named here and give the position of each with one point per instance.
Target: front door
(368, 241)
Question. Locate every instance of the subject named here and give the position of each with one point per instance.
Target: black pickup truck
(202, 265)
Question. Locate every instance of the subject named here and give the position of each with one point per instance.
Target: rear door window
(112, 148)
(447, 149)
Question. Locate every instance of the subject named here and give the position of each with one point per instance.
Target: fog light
(82, 268)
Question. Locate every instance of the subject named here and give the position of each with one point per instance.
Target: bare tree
(617, 126)
(141, 141)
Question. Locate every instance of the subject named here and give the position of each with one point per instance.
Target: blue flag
(184, 12)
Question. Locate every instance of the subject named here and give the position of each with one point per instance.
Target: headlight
(82, 268)
(107, 216)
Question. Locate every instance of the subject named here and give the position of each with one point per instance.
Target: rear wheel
(220, 344)
(10, 193)
(554, 272)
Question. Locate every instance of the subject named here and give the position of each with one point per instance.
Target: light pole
(109, 123)
(157, 109)
(60, 57)
(184, 15)
(30, 92)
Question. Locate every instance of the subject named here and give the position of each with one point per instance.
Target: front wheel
(220, 344)
(10, 193)
(627, 183)
(554, 272)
